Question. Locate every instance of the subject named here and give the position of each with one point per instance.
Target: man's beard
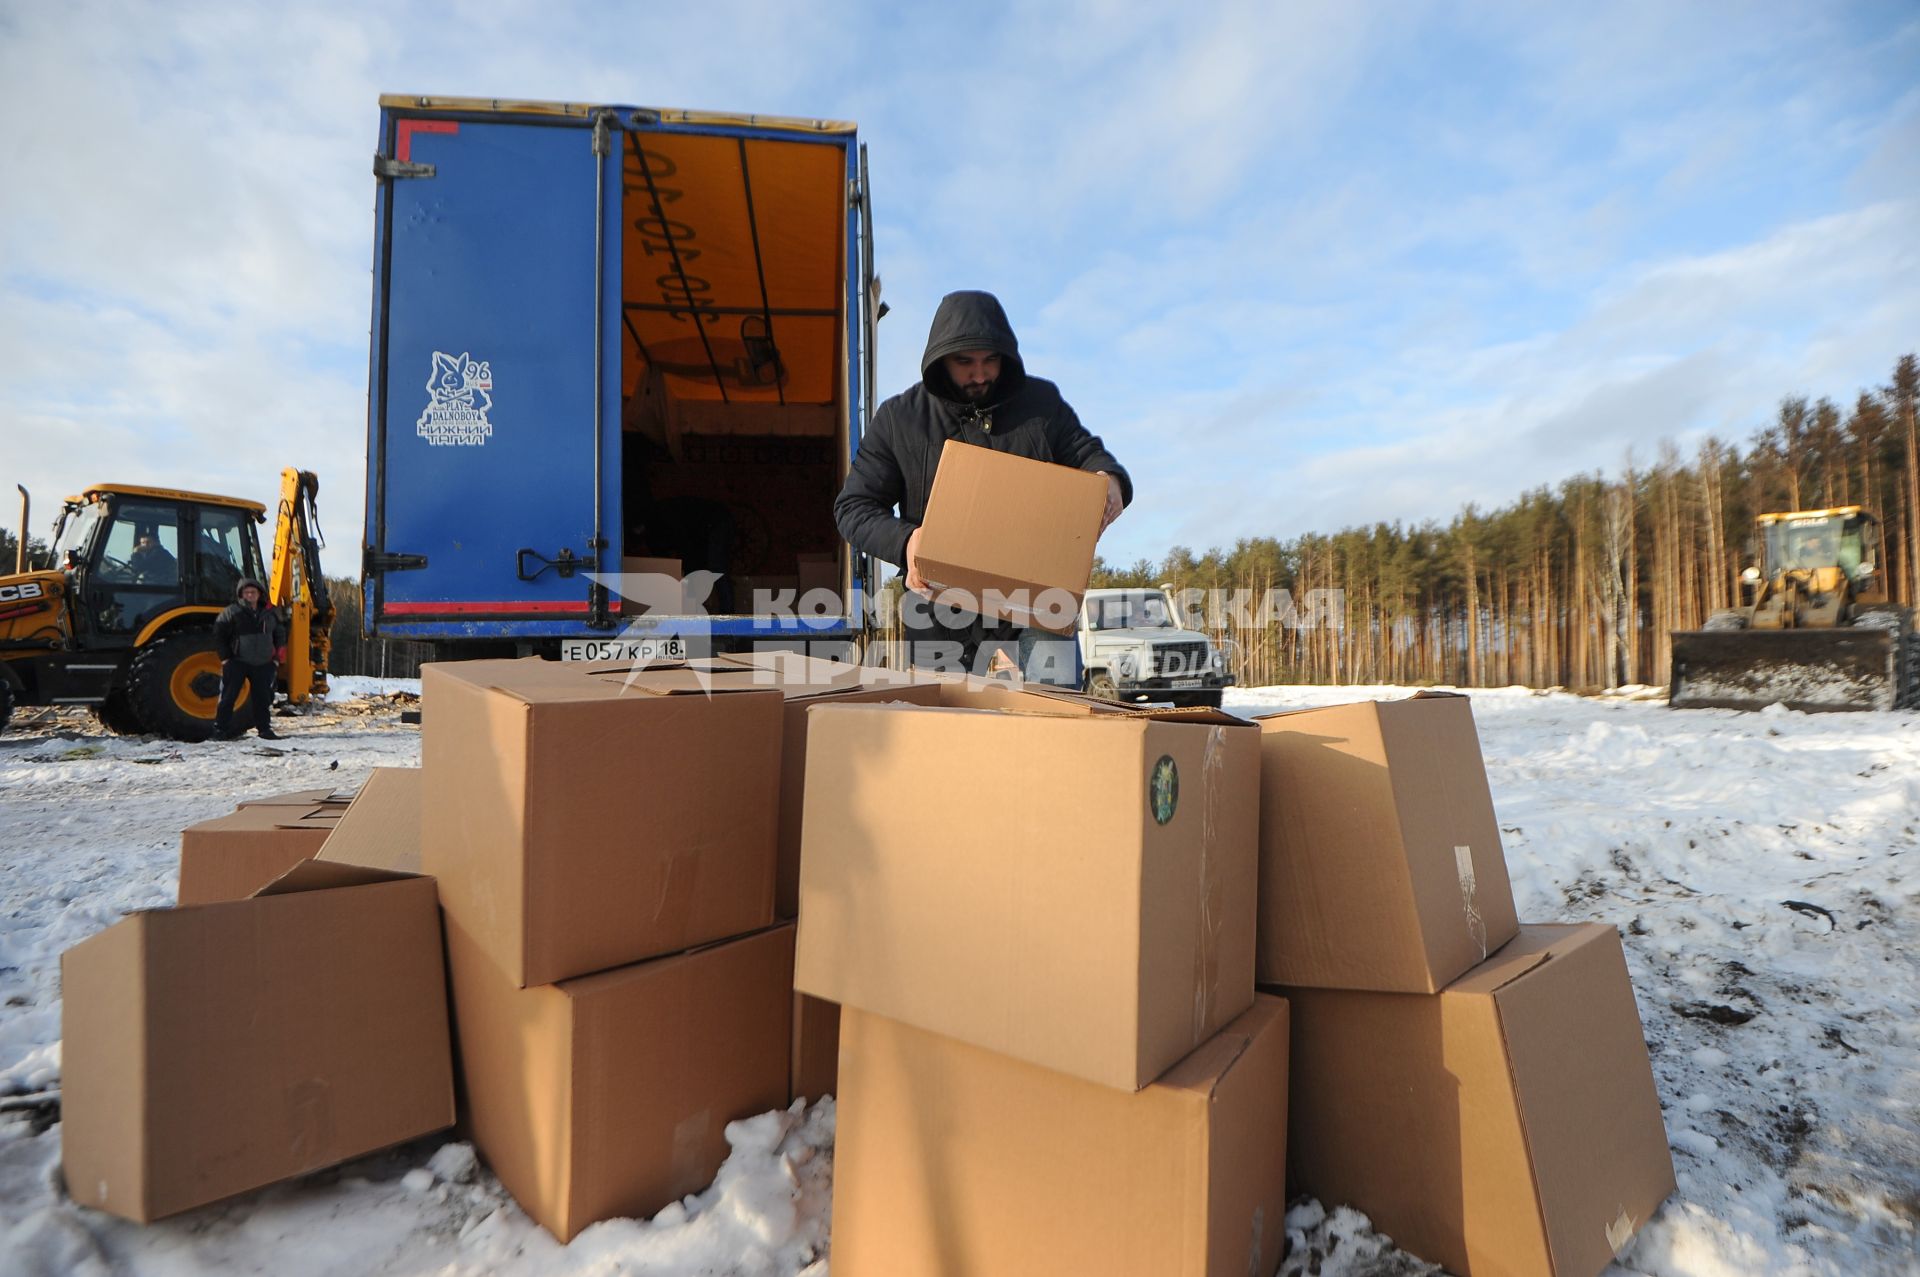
(975, 393)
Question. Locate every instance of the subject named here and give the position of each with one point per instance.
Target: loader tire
(117, 716)
(174, 686)
(6, 703)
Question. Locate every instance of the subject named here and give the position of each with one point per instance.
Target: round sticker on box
(1163, 789)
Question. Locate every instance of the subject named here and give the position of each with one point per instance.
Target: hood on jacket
(245, 581)
(971, 320)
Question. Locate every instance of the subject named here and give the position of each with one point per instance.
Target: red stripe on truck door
(404, 131)
(439, 609)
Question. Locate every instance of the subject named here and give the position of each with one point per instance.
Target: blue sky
(1301, 265)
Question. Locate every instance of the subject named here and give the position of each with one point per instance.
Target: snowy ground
(1761, 867)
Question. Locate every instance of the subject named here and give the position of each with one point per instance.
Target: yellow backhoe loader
(1816, 631)
(122, 618)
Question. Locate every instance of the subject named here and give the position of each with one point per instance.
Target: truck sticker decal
(459, 393)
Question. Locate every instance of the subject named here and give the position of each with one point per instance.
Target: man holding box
(973, 389)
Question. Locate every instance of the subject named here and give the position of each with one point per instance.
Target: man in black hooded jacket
(973, 388)
(248, 637)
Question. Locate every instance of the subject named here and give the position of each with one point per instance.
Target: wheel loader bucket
(1810, 669)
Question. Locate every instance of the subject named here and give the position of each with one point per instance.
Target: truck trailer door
(484, 437)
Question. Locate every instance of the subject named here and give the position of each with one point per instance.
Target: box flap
(300, 798)
(323, 875)
(381, 830)
(323, 817)
(269, 817)
(1528, 951)
(1199, 715)
(1595, 1139)
(1209, 1064)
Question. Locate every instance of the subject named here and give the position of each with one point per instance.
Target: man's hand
(1115, 504)
(916, 582)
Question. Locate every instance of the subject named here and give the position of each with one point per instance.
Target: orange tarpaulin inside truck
(732, 292)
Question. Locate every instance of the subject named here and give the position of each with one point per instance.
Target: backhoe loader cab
(122, 618)
(1815, 630)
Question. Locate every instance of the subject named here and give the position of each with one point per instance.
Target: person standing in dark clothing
(974, 388)
(248, 636)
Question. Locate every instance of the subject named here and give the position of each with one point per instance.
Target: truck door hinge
(385, 167)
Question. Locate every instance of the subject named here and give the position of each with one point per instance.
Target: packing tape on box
(690, 1136)
(1206, 984)
(309, 1114)
(682, 885)
(1620, 1232)
(1476, 926)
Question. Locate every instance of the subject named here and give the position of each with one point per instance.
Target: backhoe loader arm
(295, 583)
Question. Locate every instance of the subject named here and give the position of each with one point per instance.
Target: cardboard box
(1001, 529)
(578, 819)
(1073, 889)
(609, 1095)
(819, 572)
(815, 1065)
(1507, 1125)
(233, 856)
(382, 828)
(951, 1161)
(638, 598)
(1380, 859)
(747, 588)
(212, 1049)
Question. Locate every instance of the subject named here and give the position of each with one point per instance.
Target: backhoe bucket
(1804, 669)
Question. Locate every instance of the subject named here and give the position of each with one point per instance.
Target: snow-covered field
(1761, 867)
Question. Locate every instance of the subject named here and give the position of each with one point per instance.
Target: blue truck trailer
(614, 341)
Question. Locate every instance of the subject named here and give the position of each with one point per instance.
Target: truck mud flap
(1810, 670)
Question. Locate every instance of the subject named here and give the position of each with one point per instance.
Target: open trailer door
(487, 392)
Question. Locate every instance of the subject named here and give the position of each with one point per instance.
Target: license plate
(668, 647)
(1182, 684)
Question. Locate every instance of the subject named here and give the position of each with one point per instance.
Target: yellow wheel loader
(1816, 631)
(122, 618)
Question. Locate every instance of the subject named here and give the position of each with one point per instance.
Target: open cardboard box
(233, 856)
(211, 1049)
(1506, 1125)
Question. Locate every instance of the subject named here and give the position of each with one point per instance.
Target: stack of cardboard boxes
(1480, 1088)
(1029, 931)
(1037, 917)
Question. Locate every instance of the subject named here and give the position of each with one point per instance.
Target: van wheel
(174, 686)
(1100, 684)
(117, 716)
